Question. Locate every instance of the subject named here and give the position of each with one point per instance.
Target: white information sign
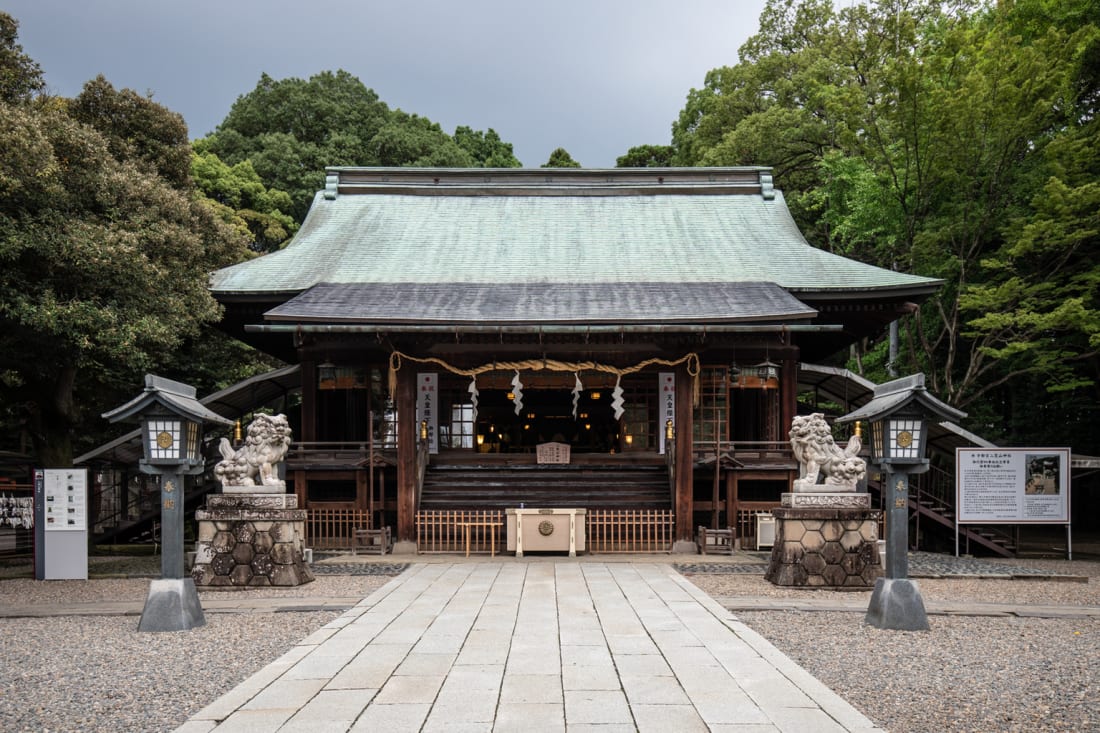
(667, 410)
(66, 499)
(427, 407)
(1012, 485)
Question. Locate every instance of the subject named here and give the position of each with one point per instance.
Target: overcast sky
(595, 77)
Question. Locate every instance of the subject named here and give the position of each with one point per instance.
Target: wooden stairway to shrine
(589, 486)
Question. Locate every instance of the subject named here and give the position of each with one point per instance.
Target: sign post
(61, 524)
(1013, 486)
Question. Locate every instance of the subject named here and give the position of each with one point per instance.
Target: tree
(919, 136)
(646, 156)
(486, 148)
(561, 158)
(137, 129)
(291, 129)
(102, 269)
(20, 76)
(241, 200)
(417, 141)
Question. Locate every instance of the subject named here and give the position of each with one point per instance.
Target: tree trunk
(50, 419)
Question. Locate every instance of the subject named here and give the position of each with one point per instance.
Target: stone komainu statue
(817, 452)
(253, 464)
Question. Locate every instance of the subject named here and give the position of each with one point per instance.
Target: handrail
(299, 449)
(937, 487)
(733, 448)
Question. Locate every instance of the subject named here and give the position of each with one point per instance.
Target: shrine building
(628, 341)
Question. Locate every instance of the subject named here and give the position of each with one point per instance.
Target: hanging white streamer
(577, 389)
(517, 392)
(617, 399)
(473, 395)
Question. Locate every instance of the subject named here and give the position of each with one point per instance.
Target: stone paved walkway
(533, 647)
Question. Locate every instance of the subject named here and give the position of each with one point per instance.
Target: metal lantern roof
(175, 397)
(905, 394)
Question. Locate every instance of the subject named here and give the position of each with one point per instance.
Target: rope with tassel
(691, 360)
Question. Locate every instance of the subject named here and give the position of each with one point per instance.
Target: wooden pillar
(309, 402)
(731, 500)
(363, 499)
(685, 457)
(788, 396)
(406, 455)
(301, 488)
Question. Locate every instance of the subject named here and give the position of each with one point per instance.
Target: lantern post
(899, 414)
(171, 435)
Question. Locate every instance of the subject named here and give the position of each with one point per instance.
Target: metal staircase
(932, 506)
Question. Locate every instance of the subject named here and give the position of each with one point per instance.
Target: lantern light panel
(905, 438)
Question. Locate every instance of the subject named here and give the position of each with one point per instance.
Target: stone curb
(936, 608)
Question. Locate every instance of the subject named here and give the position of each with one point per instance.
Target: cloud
(595, 77)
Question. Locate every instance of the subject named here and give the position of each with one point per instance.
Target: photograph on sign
(1013, 485)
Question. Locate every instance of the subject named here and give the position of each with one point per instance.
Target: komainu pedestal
(820, 543)
(250, 540)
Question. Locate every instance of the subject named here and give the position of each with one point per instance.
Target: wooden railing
(328, 454)
(332, 529)
(626, 530)
(746, 451)
(606, 530)
(439, 530)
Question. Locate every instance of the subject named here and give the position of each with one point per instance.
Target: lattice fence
(442, 531)
(746, 521)
(331, 529)
(628, 530)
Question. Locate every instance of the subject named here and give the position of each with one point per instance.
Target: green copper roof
(553, 226)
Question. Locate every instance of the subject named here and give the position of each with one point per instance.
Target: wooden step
(589, 486)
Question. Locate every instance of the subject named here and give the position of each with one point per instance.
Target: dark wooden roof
(543, 303)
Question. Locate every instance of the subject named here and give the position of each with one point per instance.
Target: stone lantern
(899, 414)
(171, 435)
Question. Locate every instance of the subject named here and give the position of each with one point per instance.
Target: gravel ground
(965, 673)
(98, 674)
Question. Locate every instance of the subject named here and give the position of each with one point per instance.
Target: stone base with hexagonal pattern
(825, 548)
(250, 540)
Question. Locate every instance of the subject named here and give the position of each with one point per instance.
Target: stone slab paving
(540, 646)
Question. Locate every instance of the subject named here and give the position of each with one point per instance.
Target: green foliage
(952, 139)
(291, 129)
(241, 200)
(486, 149)
(560, 158)
(136, 129)
(20, 76)
(416, 141)
(646, 156)
(103, 259)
